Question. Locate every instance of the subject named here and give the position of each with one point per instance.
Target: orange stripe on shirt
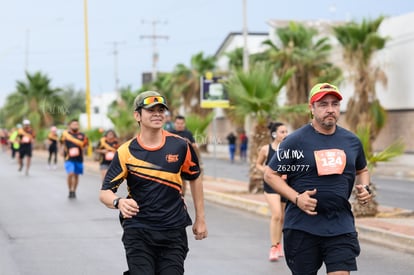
(157, 180)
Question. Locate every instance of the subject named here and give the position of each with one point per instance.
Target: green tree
(120, 112)
(360, 42)
(186, 82)
(36, 100)
(254, 94)
(198, 126)
(75, 102)
(236, 58)
(373, 158)
(299, 47)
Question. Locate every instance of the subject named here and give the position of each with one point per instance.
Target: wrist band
(368, 189)
(296, 200)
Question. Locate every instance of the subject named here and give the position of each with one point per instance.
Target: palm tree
(120, 113)
(75, 101)
(360, 42)
(198, 126)
(35, 100)
(254, 93)
(235, 58)
(186, 82)
(301, 49)
(393, 150)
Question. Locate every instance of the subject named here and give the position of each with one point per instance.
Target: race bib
(109, 155)
(330, 161)
(26, 139)
(74, 152)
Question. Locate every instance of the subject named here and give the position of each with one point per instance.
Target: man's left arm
(199, 226)
(363, 186)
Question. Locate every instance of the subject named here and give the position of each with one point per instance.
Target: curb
(237, 202)
(387, 239)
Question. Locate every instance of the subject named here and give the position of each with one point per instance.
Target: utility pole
(154, 38)
(245, 50)
(87, 89)
(26, 55)
(116, 77)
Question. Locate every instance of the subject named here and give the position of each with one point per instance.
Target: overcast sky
(48, 35)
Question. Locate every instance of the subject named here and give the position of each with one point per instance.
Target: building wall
(254, 45)
(399, 126)
(99, 109)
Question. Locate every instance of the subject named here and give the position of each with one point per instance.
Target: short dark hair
(180, 117)
(110, 131)
(273, 126)
(73, 120)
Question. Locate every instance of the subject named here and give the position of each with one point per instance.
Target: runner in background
(277, 204)
(26, 137)
(52, 138)
(106, 148)
(74, 143)
(14, 141)
(180, 129)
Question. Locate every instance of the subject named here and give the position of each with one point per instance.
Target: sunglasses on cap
(152, 100)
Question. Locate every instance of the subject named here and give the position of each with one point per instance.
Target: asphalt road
(42, 232)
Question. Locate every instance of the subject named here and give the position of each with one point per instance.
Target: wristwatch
(368, 189)
(116, 202)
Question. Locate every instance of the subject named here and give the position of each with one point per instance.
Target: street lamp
(245, 50)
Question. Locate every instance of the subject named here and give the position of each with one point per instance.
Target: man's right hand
(128, 208)
(306, 203)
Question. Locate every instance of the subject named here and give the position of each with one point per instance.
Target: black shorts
(155, 252)
(268, 189)
(305, 252)
(25, 150)
(53, 149)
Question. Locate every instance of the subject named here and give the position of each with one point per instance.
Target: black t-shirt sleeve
(115, 175)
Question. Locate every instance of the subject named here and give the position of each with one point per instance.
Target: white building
(235, 40)
(99, 109)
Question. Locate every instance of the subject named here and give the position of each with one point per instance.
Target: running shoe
(280, 250)
(273, 254)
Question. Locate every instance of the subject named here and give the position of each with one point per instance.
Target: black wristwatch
(116, 202)
(368, 189)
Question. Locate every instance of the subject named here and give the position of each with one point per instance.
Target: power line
(154, 38)
(116, 75)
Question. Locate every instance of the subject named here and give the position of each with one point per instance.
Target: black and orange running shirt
(153, 176)
(74, 143)
(110, 147)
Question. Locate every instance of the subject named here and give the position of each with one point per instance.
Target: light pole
(154, 38)
(87, 89)
(245, 50)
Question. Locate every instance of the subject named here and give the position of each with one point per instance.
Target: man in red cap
(321, 161)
